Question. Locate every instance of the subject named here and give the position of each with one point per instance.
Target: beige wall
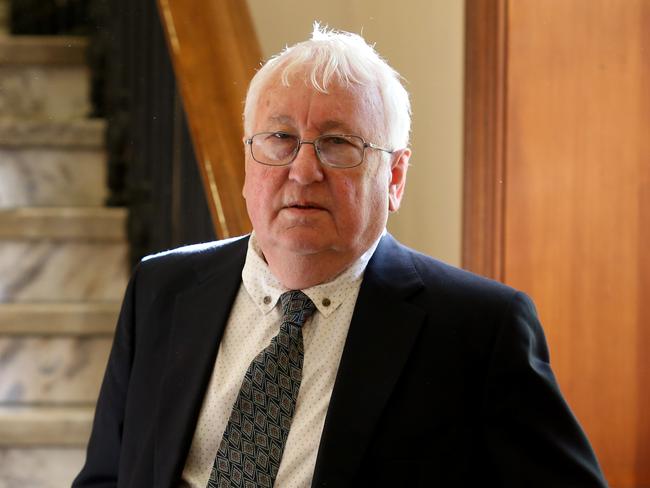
(423, 40)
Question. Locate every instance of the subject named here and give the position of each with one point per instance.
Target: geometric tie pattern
(253, 443)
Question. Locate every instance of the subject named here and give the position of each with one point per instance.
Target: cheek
(376, 198)
(262, 190)
(255, 194)
(249, 179)
(348, 195)
(258, 182)
(362, 198)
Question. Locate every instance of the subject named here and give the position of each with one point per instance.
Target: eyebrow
(334, 124)
(326, 126)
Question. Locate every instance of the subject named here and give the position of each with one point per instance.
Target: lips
(305, 206)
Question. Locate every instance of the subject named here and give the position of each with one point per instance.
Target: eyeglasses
(334, 150)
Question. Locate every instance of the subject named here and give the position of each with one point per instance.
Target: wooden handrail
(215, 51)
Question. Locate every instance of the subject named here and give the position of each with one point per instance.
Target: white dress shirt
(254, 319)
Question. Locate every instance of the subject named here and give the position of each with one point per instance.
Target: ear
(397, 183)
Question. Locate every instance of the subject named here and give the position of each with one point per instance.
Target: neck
(300, 271)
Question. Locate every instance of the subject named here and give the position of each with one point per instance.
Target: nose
(306, 168)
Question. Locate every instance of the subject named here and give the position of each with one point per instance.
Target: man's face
(305, 207)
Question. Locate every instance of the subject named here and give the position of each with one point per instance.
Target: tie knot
(296, 307)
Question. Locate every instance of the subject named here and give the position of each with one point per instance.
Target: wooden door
(557, 197)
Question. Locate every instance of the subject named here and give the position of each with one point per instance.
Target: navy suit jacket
(444, 380)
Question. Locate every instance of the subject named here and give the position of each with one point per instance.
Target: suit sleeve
(532, 436)
(103, 454)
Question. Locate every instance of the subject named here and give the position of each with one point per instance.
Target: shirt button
(267, 300)
(326, 302)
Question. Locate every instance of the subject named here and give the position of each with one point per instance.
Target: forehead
(301, 106)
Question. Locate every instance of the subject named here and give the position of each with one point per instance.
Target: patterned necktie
(253, 442)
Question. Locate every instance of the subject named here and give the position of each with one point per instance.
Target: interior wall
(422, 40)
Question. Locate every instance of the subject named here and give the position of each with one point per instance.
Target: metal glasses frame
(314, 142)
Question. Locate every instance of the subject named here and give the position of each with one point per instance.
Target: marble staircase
(63, 260)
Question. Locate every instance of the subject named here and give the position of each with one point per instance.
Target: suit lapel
(382, 332)
(200, 316)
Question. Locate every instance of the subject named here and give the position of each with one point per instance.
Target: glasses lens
(341, 151)
(274, 148)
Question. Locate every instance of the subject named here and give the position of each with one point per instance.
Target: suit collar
(200, 315)
(382, 332)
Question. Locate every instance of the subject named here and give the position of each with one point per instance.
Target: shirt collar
(265, 289)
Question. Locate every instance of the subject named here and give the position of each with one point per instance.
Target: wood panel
(576, 208)
(484, 151)
(577, 144)
(215, 52)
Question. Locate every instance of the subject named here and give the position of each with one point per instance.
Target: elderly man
(318, 351)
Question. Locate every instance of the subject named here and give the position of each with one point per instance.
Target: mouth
(304, 206)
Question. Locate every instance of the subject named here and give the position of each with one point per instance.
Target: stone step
(52, 162)
(63, 254)
(88, 133)
(54, 353)
(58, 319)
(40, 467)
(49, 176)
(22, 426)
(56, 271)
(43, 77)
(52, 370)
(47, 50)
(64, 224)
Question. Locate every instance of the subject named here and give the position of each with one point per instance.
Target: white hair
(343, 58)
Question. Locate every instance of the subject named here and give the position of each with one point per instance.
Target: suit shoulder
(193, 251)
(459, 285)
(474, 307)
(196, 260)
(434, 269)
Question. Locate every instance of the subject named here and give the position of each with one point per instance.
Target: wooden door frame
(484, 139)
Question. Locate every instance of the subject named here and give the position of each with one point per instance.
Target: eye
(341, 142)
(336, 140)
(281, 136)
